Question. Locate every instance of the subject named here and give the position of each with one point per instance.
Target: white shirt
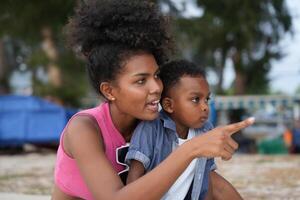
(180, 188)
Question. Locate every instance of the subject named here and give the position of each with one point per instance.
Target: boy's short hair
(171, 72)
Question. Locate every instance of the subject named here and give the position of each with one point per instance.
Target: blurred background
(250, 50)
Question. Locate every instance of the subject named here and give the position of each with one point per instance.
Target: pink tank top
(67, 175)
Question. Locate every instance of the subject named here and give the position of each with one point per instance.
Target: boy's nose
(204, 107)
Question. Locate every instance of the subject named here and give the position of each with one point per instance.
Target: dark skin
(133, 97)
(187, 104)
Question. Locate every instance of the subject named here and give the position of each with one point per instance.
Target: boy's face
(190, 97)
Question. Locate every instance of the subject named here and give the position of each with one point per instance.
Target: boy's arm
(140, 150)
(136, 170)
(222, 189)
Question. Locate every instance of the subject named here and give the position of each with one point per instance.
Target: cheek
(133, 97)
(160, 85)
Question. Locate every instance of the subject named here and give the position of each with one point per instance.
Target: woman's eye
(141, 81)
(195, 99)
(156, 76)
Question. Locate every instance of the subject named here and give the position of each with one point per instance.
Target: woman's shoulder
(81, 130)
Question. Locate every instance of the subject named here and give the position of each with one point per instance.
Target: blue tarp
(28, 119)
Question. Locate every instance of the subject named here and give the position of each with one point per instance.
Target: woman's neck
(123, 122)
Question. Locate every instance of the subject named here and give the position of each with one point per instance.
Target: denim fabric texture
(154, 140)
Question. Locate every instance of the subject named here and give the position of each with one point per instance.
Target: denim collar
(167, 121)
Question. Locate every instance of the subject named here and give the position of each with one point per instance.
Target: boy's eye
(207, 99)
(196, 99)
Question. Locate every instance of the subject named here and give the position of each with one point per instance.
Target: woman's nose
(156, 86)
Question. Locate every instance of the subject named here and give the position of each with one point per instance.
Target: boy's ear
(167, 104)
(107, 90)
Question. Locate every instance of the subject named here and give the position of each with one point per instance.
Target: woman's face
(138, 87)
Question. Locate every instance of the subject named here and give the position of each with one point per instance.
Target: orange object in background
(287, 137)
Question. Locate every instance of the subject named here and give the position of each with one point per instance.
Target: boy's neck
(182, 131)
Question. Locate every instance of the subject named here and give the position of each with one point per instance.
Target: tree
(244, 32)
(39, 25)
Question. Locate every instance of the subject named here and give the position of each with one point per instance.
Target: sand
(29, 176)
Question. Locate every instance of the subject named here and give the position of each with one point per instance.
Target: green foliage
(74, 83)
(25, 21)
(298, 90)
(246, 32)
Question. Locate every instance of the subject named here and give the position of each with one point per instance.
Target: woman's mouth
(153, 106)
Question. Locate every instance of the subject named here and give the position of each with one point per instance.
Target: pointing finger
(233, 128)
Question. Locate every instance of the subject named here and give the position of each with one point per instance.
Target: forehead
(140, 63)
(189, 85)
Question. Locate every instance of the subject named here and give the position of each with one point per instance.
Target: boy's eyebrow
(200, 94)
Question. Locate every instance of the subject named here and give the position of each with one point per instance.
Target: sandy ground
(255, 176)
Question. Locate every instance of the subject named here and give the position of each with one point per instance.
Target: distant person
(296, 137)
(288, 137)
(184, 115)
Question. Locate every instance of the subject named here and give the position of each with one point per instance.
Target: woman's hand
(218, 142)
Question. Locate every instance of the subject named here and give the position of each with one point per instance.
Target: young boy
(184, 115)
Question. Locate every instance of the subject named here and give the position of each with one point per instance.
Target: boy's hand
(218, 142)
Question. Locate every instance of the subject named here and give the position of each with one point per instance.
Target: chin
(149, 117)
(199, 125)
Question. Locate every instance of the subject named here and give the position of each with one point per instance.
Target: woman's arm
(222, 189)
(209, 195)
(86, 147)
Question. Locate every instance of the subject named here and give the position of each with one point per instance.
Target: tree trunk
(221, 79)
(220, 72)
(239, 83)
(54, 72)
(4, 76)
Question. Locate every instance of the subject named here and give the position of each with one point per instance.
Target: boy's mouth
(203, 119)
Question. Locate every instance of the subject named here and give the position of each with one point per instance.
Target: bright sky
(285, 73)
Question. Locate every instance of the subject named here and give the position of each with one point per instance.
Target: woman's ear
(106, 90)
(167, 104)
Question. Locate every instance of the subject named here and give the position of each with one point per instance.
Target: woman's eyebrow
(146, 73)
(141, 74)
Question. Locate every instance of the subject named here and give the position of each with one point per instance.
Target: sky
(285, 73)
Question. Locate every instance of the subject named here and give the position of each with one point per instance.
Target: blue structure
(28, 119)
(213, 113)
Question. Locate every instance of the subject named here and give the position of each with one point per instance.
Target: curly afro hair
(108, 32)
(171, 72)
